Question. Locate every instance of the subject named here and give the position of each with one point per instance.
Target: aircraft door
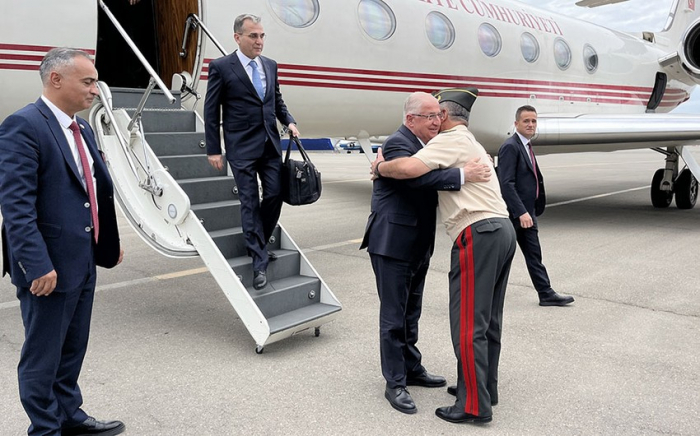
(156, 27)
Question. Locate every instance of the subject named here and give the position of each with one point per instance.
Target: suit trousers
(400, 287)
(529, 242)
(480, 264)
(259, 218)
(56, 331)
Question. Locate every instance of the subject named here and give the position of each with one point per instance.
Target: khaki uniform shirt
(475, 201)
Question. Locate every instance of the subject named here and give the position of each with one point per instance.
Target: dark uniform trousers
(259, 219)
(529, 242)
(480, 264)
(400, 286)
(48, 371)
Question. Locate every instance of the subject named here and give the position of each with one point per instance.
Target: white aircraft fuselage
(338, 80)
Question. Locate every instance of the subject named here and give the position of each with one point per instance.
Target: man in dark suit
(59, 223)
(399, 237)
(244, 93)
(522, 187)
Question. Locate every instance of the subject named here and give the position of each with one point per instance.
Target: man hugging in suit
(399, 237)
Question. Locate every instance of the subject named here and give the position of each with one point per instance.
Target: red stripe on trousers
(466, 321)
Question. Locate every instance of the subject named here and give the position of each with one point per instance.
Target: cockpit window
(440, 30)
(590, 58)
(529, 47)
(296, 13)
(376, 19)
(562, 54)
(489, 40)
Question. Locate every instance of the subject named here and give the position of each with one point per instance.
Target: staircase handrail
(192, 22)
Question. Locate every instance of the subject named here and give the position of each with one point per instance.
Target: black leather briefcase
(301, 181)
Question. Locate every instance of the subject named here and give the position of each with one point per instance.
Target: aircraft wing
(596, 3)
(557, 133)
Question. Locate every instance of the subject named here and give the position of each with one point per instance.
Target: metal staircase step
(156, 120)
(176, 143)
(190, 167)
(209, 189)
(219, 215)
(287, 264)
(287, 294)
(299, 316)
(130, 98)
(231, 241)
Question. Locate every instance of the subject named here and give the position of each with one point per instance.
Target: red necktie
(87, 174)
(534, 169)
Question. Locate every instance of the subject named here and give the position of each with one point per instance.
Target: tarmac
(169, 356)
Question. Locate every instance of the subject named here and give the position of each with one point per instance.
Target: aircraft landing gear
(686, 189)
(659, 197)
(668, 181)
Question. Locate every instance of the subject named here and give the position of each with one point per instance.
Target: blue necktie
(257, 83)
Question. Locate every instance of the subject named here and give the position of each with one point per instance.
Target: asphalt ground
(169, 356)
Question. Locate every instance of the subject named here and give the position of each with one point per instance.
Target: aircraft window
(377, 19)
(562, 54)
(590, 58)
(529, 47)
(296, 13)
(441, 32)
(489, 40)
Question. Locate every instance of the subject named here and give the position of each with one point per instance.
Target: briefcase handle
(299, 147)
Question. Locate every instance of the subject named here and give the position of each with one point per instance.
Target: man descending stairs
(295, 298)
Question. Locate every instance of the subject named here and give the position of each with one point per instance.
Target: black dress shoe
(451, 414)
(401, 400)
(91, 426)
(426, 380)
(259, 280)
(271, 256)
(554, 299)
(452, 390)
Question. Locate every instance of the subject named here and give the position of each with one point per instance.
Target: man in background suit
(59, 223)
(399, 237)
(522, 187)
(244, 93)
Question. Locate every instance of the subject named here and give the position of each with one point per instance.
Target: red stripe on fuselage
(40, 48)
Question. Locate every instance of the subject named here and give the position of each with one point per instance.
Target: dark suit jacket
(45, 208)
(402, 223)
(247, 121)
(517, 179)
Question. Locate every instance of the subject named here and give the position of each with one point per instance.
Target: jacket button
(87, 205)
(87, 229)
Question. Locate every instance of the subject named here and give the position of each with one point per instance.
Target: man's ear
(55, 79)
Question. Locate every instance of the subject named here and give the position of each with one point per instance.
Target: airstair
(183, 207)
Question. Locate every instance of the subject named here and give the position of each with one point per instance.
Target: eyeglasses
(254, 36)
(430, 117)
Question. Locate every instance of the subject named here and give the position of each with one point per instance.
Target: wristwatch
(376, 169)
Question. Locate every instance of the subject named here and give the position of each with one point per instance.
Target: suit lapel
(524, 152)
(415, 142)
(98, 161)
(239, 70)
(59, 136)
(268, 76)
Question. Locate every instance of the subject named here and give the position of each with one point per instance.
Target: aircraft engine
(690, 50)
